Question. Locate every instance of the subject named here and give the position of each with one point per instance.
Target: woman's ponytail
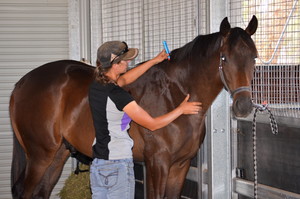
(100, 74)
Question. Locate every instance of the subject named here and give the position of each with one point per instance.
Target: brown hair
(99, 74)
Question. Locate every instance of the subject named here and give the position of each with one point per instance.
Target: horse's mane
(201, 46)
(184, 59)
(193, 56)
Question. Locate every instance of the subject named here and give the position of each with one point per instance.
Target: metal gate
(276, 83)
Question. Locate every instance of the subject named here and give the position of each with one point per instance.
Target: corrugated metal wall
(32, 32)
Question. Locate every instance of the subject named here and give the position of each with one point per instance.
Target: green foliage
(77, 186)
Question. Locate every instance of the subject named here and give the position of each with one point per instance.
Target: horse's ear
(252, 26)
(224, 27)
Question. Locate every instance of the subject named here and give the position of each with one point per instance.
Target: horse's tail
(18, 165)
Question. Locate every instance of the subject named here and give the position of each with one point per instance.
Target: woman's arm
(140, 116)
(131, 75)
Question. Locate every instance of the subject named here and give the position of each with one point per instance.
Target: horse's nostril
(242, 106)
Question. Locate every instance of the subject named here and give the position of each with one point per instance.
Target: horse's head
(237, 63)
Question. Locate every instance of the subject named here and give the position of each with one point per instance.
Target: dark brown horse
(49, 110)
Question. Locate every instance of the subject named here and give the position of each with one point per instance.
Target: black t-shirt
(111, 123)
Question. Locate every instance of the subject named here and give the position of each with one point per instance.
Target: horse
(50, 114)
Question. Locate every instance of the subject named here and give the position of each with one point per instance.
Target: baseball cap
(114, 51)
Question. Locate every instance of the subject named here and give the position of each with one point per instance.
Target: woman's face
(123, 66)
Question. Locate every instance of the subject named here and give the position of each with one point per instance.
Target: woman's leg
(126, 182)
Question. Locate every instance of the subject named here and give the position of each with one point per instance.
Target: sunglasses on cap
(125, 50)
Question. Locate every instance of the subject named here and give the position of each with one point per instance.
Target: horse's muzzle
(242, 106)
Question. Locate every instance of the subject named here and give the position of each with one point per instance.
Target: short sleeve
(120, 97)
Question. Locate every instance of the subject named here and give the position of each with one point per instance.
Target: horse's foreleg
(157, 172)
(149, 183)
(176, 179)
(52, 174)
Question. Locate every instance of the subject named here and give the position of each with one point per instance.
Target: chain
(274, 129)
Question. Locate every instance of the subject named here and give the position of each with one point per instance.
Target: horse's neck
(202, 82)
(199, 78)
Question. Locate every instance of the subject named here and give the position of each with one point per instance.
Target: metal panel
(278, 157)
(32, 32)
(245, 188)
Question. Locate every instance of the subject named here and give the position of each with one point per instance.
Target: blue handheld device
(166, 48)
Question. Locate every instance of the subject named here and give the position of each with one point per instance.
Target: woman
(112, 109)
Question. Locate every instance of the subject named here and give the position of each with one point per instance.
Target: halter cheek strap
(236, 91)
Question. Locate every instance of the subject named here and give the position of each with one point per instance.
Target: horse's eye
(223, 58)
(255, 59)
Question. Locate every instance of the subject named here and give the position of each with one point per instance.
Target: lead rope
(274, 129)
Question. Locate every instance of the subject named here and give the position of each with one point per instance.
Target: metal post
(218, 126)
(85, 29)
(74, 33)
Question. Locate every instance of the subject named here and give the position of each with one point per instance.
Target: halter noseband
(236, 91)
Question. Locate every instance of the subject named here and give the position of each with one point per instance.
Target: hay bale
(77, 186)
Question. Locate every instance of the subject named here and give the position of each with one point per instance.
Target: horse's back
(43, 98)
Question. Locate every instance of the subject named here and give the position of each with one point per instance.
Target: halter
(236, 91)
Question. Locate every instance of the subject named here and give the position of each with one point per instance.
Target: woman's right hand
(160, 57)
(190, 107)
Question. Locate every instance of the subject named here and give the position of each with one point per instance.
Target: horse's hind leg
(37, 163)
(17, 169)
(176, 179)
(52, 174)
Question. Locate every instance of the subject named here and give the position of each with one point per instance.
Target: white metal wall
(32, 32)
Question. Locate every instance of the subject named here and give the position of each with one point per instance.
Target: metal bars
(145, 24)
(170, 20)
(122, 21)
(279, 86)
